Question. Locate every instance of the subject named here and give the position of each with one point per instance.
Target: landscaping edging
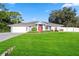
(8, 51)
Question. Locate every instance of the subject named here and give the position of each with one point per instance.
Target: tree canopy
(8, 17)
(65, 16)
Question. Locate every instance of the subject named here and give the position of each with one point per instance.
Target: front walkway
(5, 36)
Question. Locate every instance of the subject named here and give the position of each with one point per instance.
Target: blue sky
(38, 11)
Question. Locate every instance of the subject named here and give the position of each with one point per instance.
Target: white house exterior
(41, 26)
(68, 29)
(18, 29)
(22, 27)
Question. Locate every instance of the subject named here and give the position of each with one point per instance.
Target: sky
(38, 11)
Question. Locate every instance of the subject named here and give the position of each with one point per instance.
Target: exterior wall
(28, 29)
(44, 28)
(19, 29)
(49, 28)
(53, 28)
(70, 29)
(66, 29)
(76, 29)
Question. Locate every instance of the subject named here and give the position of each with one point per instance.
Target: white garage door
(18, 29)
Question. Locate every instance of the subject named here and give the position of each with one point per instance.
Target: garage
(18, 29)
(21, 27)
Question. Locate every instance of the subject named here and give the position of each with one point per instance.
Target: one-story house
(40, 26)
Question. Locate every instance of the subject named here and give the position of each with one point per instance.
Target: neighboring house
(40, 26)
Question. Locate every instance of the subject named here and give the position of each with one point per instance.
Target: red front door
(40, 28)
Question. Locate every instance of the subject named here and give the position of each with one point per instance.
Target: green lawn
(44, 44)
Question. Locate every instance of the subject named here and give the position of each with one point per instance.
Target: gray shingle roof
(55, 25)
(23, 24)
(34, 23)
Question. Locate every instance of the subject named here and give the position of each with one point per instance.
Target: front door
(40, 28)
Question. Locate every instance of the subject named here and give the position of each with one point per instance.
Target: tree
(8, 17)
(65, 16)
(15, 17)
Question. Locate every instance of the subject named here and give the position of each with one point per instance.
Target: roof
(55, 25)
(41, 22)
(50, 24)
(23, 24)
(34, 23)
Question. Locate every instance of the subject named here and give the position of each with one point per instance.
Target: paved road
(5, 36)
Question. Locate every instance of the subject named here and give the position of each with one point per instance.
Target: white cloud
(67, 5)
(70, 4)
(47, 11)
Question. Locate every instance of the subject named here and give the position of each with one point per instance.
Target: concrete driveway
(5, 36)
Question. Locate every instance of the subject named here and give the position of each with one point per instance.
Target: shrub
(4, 27)
(34, 29)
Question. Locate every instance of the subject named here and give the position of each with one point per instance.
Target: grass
(44, 44)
